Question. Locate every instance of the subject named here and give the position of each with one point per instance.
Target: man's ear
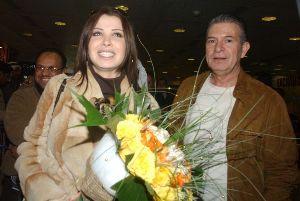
(245, 48)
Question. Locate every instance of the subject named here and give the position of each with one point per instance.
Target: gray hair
(227, 18)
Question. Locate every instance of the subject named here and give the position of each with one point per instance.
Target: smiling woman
(107, 46)
(54, 159)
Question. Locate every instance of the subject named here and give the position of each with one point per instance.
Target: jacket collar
(93, 89)
(242, 90)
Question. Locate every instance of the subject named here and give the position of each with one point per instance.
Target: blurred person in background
(14, 80)
(4, 79)
(20, 108)
(164, 95)
(5, 71)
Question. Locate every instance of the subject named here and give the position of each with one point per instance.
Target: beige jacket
(52, 161)
(261, 146)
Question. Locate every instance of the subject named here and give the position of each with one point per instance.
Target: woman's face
(107, 46)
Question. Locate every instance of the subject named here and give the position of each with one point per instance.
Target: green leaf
(93, 116)
(155, 115)
(141, 101)
(197, 181)
(128, 159)
(113, 121)
(131, 189)
(197, 171)
(182, 132)
(122, 103)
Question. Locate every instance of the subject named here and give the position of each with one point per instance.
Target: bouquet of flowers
(149, 163)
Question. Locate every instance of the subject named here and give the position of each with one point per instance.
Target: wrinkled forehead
(224, 28)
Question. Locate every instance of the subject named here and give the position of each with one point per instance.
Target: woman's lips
(106, 54)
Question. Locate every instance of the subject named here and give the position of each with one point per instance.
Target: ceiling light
(27, 34)
(122, 8)
(74, 45)
(277, 69)
(269, 18)
(149, 61)
(159, 50)
(60, 23)
(294, 38)
(196, 12)
(191, 59)
(262, 64)
(1, 47)
(179, 30)
(178, 77)
(164, 72)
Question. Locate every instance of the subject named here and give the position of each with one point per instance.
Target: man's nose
(46, 71)
(219, 46)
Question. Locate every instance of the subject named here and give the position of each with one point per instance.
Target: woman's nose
(106, 41)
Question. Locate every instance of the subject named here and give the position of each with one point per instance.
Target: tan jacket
(52, 161)
(261, 154)
(19, 111)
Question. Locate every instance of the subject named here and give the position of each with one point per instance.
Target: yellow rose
(132, 117)
(143, 164)
(190, 195)
(167, 194)
(130, 146)
(128, 129)
(163, 177)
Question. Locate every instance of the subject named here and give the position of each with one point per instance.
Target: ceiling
(154, 21)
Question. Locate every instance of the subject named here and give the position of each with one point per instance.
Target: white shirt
(212, 109)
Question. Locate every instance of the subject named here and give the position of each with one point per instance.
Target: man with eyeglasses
(20, 108)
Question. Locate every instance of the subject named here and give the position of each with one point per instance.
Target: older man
(253, 155)
(20, 108)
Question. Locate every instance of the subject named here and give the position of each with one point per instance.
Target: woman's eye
(119, 35)
(96, 33)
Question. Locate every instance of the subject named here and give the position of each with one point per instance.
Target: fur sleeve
(36, 184)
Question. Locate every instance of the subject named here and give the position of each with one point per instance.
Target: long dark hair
(130, 61)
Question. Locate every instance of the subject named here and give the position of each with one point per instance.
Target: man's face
(224, 49)
(16, 73)
(45, 68)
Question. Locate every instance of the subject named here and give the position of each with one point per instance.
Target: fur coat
(53, 158)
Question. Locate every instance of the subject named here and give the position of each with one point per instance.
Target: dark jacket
(19, 111)
(261, 149)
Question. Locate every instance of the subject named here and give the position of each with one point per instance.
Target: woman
(53, 158)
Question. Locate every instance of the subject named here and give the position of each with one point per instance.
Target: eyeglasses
(50, 68)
